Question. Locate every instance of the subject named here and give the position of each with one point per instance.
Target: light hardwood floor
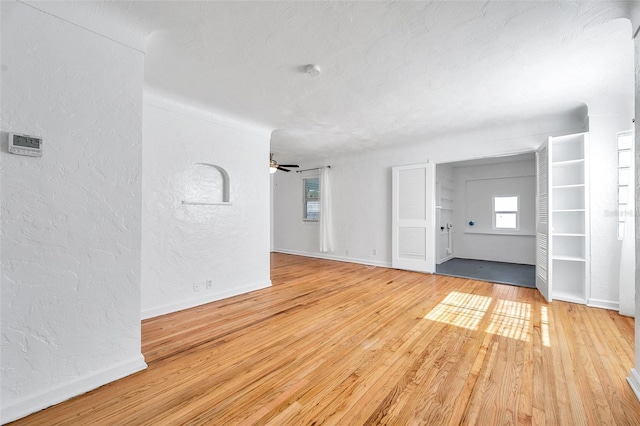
(339, 343)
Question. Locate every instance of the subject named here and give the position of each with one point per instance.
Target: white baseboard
(444, 259)
(634, 382)
(603, 304)
(328, 256)
(207, 297)
(77, 386)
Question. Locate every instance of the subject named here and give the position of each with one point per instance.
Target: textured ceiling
(392, 72)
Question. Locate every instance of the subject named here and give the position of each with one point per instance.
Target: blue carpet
(497, 272)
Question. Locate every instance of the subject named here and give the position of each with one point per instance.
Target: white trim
(564, 297)
(206, 298)
(444, 259)
(500, 233)
(75, 387)
(496, 212)
(197, 203)
(305, 199)
(603, 304)
(325, 256)
(634, 382)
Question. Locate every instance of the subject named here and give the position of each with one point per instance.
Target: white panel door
(543, 250)
(413, 217)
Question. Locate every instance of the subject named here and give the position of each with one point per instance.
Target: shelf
(444, 208)
(500, 234)
(569, 206)
(569, 258)
(568, 223)
(568, 247)
(575, 185)
(568, 162)
(568, 149)
(568, 198)
(568, 174)
(569, 280)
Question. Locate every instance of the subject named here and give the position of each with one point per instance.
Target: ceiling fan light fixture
(274, 166)
(313, 70)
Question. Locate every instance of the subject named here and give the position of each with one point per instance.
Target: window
(625, 177)
(505, 212)
(311, 201)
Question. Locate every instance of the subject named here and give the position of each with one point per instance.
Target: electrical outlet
(373, 252)
(346, 252)
(197, 286)
(209, 284)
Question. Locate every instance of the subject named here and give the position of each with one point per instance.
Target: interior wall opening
(485, 219)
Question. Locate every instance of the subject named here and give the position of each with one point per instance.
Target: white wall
(445, 199)
(362, 186)
(634, 378)
(475, 187)
(70, 250)
(605, 246)
(362, 194)
(186, 244)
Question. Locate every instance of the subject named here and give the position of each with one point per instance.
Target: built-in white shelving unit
(569, 219)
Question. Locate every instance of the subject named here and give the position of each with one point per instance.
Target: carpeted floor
(497, 272)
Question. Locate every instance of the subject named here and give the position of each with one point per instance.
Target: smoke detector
(312, 69)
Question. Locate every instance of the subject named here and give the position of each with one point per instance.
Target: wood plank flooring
(342, 344)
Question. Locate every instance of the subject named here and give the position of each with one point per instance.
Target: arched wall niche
(206, 184)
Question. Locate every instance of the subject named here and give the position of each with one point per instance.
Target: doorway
(485, 219)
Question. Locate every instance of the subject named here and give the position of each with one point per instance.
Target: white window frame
(306, 199)
(497, 212)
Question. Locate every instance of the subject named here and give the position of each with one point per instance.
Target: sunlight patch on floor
(544, 315)
(460, 309)
(511, 319)
(507, 318)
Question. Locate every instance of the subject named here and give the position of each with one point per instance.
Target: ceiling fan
(274, 166)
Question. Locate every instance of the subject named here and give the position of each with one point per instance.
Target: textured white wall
(635, 378)
(519, 179)
(70, 307)
(362, 196)
(362, 186)
(187, 244)
(603, 186)
(361, 205)
(444, 181)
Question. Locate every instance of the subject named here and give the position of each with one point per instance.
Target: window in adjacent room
(311, 202)
(505, 212)
(625, 177)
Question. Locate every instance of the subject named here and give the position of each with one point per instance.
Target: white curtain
(326, 221)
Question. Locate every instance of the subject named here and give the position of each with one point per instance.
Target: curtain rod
(307, 170)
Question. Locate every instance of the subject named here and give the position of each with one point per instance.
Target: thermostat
(25, 145)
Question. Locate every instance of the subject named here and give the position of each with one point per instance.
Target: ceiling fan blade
(288, 165)
(284, 170)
